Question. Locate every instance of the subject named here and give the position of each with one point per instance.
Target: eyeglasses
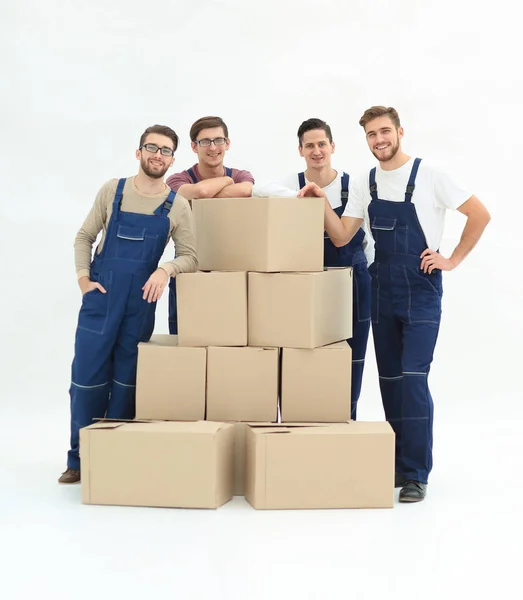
(207, 142)
(153, 149)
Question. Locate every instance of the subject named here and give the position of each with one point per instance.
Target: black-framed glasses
(153, 149)
(219, 141)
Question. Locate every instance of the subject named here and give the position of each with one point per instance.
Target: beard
(153, 172)
(389, 155)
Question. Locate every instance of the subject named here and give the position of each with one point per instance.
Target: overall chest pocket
(389, 235)
(133, 243)
(383, 232)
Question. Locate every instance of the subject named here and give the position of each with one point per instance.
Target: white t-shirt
(435, 192)
(290, 186)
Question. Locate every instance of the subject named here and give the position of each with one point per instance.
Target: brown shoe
(70, 476)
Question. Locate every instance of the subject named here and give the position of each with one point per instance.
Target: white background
(80, 82)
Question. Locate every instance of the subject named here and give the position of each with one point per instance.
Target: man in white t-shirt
(403, 202)
(316, 146)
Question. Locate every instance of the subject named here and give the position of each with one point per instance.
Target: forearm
(186, 263)
(236, 190)
(83, 281)
(340, 231)
(184, 238)
(472, 233)
(208, 188)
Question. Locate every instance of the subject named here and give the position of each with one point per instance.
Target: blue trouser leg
(387, 335)
(418, 303)
(173, 312)
(137, 325)
(93, 364)
(358, 343)
(91, 370)
(360, 330)
(87, 403)
(419, 341)
(406, 312)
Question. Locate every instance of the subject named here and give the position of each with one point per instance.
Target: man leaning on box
(316, 146)
(122, 283)
(208, 178)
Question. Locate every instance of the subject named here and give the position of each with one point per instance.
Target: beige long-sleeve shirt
(182, 230)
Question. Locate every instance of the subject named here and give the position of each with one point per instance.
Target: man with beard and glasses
(403, 202)
(208, 178)
(122, 283)
(316, 146)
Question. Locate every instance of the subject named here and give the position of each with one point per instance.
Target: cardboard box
(242, 384)
(259, 234)
(212, 309)
(316, 384)
(170, 381)
(300, 310)
(342, 465)
(169, 464)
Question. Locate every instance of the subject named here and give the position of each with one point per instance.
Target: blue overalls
(173, 313)
(406, 312)
(352, 255)
(110, 325)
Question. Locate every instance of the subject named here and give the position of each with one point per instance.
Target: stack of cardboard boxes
(253, 395)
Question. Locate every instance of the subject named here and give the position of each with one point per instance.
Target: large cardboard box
(212, 309)
(259, 234)
(342, 465)
(170, 464)
(242, 384)
(300, 310)
(316, 384)
(170, 381)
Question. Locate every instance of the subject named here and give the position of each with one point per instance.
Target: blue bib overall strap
(301, 180)
(411, 185)
(119, 193)
(344, 190)
(373, 188)
(192, 175)
(164, 209)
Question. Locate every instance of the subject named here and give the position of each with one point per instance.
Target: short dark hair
(310, 125)
(207, 123)
(162, 130)
(380, 111)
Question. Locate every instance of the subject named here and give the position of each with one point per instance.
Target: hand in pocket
(86, 285)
